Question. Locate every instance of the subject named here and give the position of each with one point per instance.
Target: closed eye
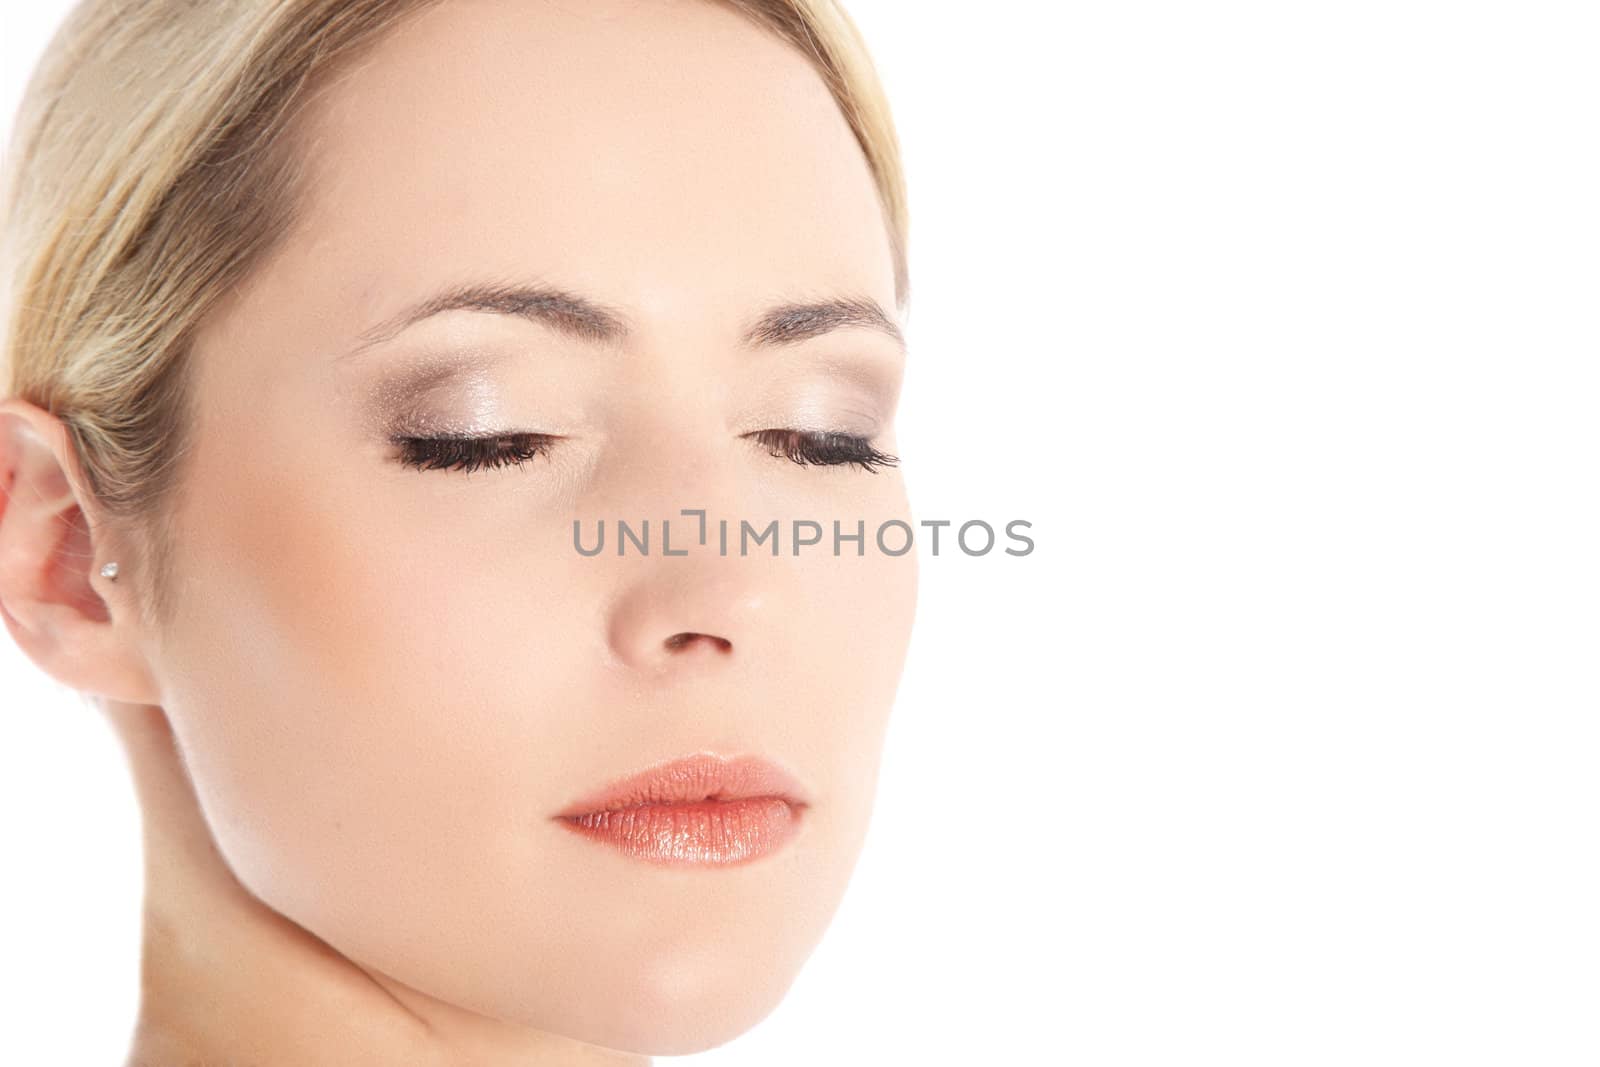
(823, 448)
(464, 453)
(807, 448)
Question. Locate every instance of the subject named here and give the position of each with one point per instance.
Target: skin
(381, 683)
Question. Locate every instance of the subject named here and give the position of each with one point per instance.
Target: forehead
(668, 155)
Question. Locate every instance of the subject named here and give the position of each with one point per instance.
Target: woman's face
(387, 680)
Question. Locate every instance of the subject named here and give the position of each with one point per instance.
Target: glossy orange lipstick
(703, 809)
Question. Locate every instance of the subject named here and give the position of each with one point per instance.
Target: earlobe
(50, 583)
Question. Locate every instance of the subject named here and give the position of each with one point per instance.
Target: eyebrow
(593, 322)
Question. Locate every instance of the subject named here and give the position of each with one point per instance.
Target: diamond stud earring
(109, 571)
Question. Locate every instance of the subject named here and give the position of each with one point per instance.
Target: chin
(675, 1004)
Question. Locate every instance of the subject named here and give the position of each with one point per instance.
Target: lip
(699, 810)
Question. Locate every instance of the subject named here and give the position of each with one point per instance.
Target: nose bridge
(671, 447)
(672, 458)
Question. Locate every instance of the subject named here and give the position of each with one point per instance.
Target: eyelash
(820, 448)
(461, 453)
(824, 448)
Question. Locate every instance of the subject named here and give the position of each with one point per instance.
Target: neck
(226, 979)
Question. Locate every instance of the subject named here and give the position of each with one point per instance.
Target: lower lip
(707, 832)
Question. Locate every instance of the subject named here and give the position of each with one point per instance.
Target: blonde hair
(151, 166)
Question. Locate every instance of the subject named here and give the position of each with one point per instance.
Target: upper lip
(690, 779)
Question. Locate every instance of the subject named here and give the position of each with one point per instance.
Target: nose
(689, 616)
(695, 608)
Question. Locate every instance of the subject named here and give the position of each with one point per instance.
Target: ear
(76, 625)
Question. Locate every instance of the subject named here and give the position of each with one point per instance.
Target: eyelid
(846, 394)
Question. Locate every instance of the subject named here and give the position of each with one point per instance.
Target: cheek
(360, 696)
(852, 645)
(831, 654)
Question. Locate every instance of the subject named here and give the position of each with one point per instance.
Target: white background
(1279, 322)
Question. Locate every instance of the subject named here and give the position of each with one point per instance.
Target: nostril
(683, 640)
